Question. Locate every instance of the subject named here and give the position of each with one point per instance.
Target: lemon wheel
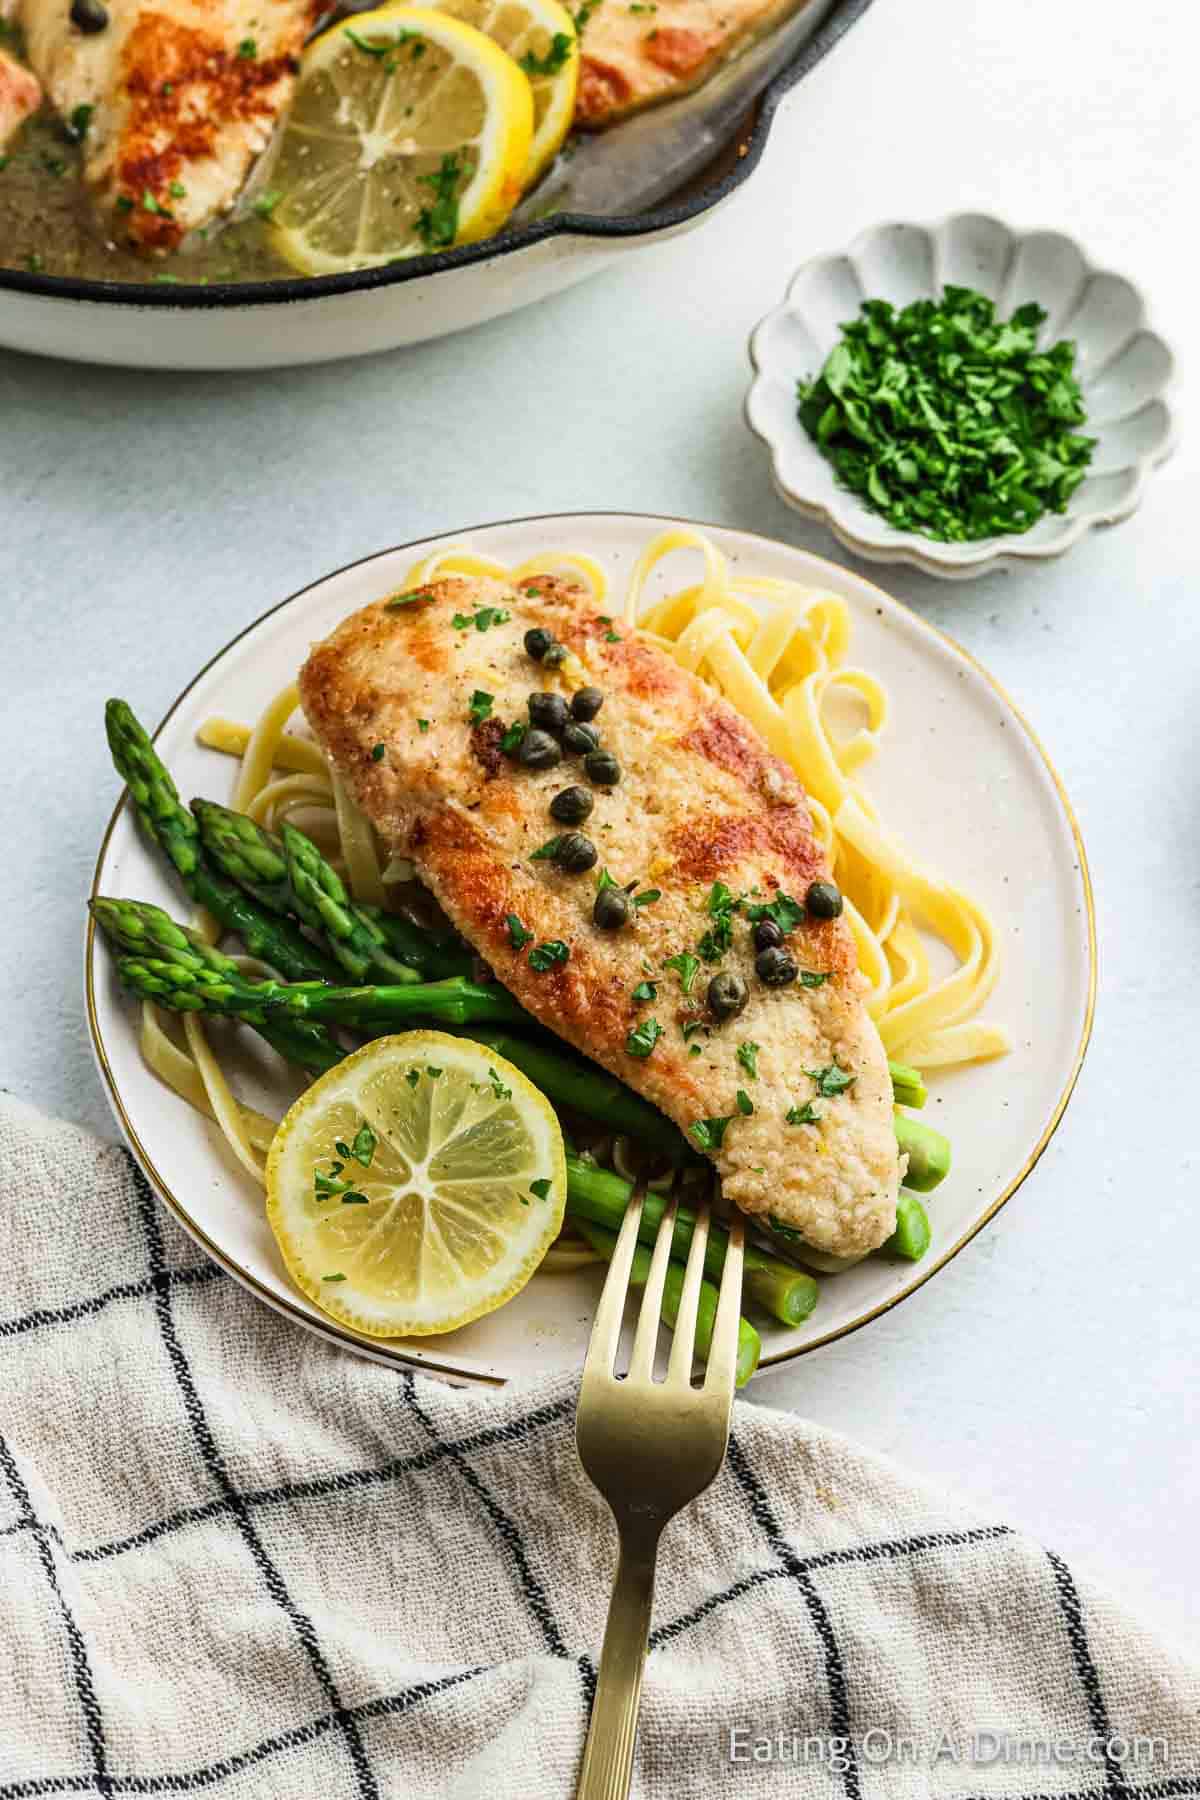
(540, 35)
(417, 1185)
(409, 132)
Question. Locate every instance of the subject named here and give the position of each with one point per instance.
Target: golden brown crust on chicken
(185, 94)
(633, 56)
(701, 800)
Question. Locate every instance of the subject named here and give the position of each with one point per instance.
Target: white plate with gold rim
(961, 779)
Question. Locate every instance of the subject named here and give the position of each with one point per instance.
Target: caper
(612, 908)
(571, 806)
(823, 900)
(602, 767)
(727, 995)
(580, 738)
(767, 935)
(537, 642)
(538, 750)
(586, 704)
(575, 853)
(774, 966)
(555, 656)
(89, 16)
(549, 711)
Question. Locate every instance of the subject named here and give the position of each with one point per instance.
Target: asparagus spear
(596, 1196)
(571, 1081)
(749, 1343)
(928, 1153)
(434, 955)
(188, 975)
(147, 930)
(908, 1085)
(168, 823)
(293, 877)
(912, 1235)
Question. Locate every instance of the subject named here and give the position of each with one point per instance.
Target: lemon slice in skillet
(540, 35)
(409, 132)
(417, 1185)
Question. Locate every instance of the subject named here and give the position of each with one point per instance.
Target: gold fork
(649, 1447)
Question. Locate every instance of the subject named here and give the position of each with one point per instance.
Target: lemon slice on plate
(409, 132)
(540, 35)
(417, 1185)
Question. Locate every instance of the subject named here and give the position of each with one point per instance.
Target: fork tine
(722, 1357)
(683, 1344)
(606, 1328)
(641, 1363)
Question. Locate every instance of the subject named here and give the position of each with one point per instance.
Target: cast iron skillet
(736, 163)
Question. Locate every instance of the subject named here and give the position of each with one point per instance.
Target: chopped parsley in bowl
(949, 421)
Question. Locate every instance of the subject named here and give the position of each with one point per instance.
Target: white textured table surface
(1052, 1368)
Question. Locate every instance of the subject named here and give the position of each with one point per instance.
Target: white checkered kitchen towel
(237, 1561)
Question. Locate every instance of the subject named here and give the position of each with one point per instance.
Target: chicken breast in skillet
(410, 699)
(632, 55)
(179, 97)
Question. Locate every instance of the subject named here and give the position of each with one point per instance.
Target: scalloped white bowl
(1125, 370)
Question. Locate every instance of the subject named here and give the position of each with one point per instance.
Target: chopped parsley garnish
(437, 224)
(645, 990)
(643, 1037)
(783, 910)
(948, 421)
(79, 122)
(612, 637)
(353, 1198)
(518, 937)
(802, 1115)
(722, 903)
(545, 956)
(248, 49)
(151, 205)
(831, 1080)
(710, 1133)
(266, 203)
(745, 1104)
(555, 58)
(360, 43)
(333, 1278)
(647, 897)
(177, 191)
(422, 726)
(695, 1050)
(412, 1078)
(378, 752)
(812, 978)
(480, 707)
(688, 967)
(512, 736)
(585, 12)
(409, 599)
(691, 1027)
(541, 1187)
(604, 880)
(482, 619)
(363, 1147)
(747, 1055)
(546, 852)
(432, 1072)
(498, 1088)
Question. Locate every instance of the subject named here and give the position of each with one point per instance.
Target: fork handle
(612, 1733)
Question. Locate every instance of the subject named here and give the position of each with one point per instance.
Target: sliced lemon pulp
(409, 132)
(541, 36)
(417, 1185)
